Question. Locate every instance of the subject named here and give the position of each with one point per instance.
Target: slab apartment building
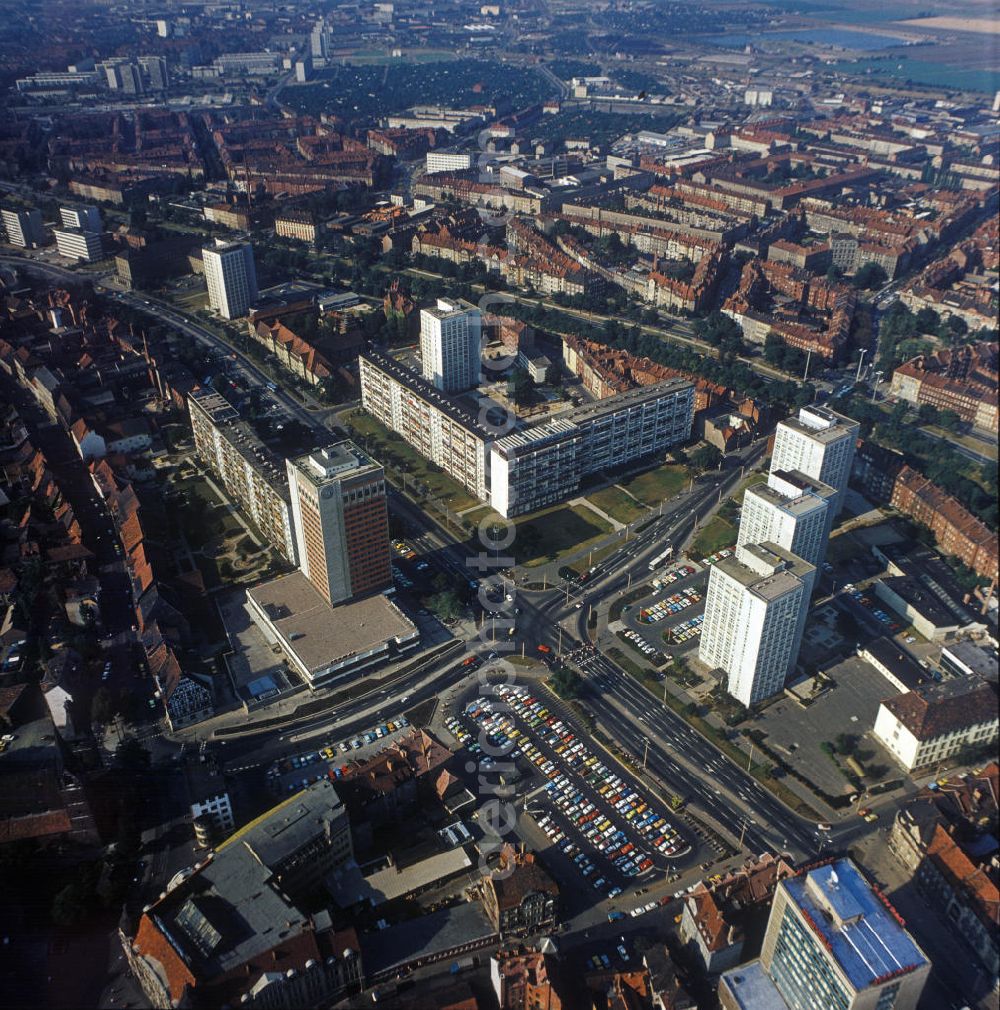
(526, 469)
(248, 469)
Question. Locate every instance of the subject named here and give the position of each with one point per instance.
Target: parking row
(717, 556)
(638, 642)
(669, 605)
(686, 630)
(326, 762)
(674, 575)
(592, 807)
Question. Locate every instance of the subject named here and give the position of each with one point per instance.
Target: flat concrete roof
(800, 506)
(775, 572)
(395, 882)
(320, 634)
(424, 937)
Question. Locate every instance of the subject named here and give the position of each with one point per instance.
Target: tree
(446, 605)
(928, 320)
(717, 328)
(567, 683)
(70, 905)
(927, 413)
(870, 276)
(519, 385)
(834, 273)
(949, 420)
(705, 457)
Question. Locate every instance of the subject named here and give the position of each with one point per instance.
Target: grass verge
(655, 486)
(718, 533)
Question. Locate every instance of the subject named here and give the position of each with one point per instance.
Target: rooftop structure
(831, 940)
(324, 643)
(231, 926)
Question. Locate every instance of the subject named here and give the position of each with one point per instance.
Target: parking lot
(669, 620)
(297, 771)
(608, 831)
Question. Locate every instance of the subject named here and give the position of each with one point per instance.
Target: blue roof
(751, 988)
(864, 936)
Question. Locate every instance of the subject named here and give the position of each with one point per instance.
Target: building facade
(753, 623)
(439, 429)
(341, 521)
(249, 472)
(86, 218)
(76, 244)
(790, 511)
(231, 277)
(924, 727)
(24, 227)
(831, 942)
(819, 442)
(544, 464)
(441, 161)
(451, 345)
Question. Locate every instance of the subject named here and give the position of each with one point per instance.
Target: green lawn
(617, 504)
(399, 458)
(716, 535)
(549, 534)
(657, 485)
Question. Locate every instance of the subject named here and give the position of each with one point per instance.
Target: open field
(986, 26)
(657, 485)
(547, 535)
(717, 534)
(617, 504)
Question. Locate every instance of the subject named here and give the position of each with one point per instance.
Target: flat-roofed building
(341, 519)
(451, 345)
(534, 468)
(544, 464)
(439, 428)
(820, 443)
(249, 471)
(76, 244)
(86, 217)
(24, 227)
(831, 941)
(753, 626)
(790, 509)
(323, 643)
(231, 277)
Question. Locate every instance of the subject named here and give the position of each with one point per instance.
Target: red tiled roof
(932, 712)
(968, 880)
(52, 822)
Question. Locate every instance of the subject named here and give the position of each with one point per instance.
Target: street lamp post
(861, 361)
(645, 753)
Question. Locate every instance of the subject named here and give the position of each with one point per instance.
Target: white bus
(660, 558)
